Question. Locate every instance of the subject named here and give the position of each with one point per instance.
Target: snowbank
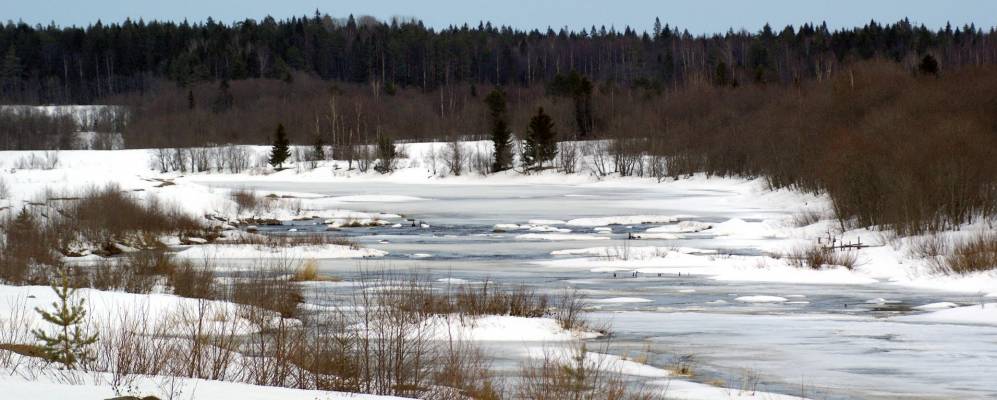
(983, 314)
(164, 313)
(558, 237)
(623, 220)
(501, 328)
(54, 388)
(247, 251)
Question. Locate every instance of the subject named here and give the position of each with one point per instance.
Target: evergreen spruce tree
(318, 148)
(540, 145)
(501, 135)
(579, 89)
(11, 72)
(281, 150)
(386, 154)
(721, 76)
(223, 101)
(68, 344)
(928, 65)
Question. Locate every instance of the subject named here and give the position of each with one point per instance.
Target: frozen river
(826, 340)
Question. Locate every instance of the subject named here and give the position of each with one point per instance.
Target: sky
(698, 16)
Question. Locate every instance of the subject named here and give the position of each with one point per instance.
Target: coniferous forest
(80, 65)
(806, 107)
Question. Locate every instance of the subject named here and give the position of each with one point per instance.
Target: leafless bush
(431, 158)
(194, 281)
(627, 156)
(15, 328)
(480, 160)
(85, 221)
(4, 188)
(122, 275)
(599, 151)
(27, 251)
(246, 201)
(28, 128)
(45, 161)
(657, 166)
(161, 159)
(199, 159)
(929, 246)
(269, 285)
(454, 157)
(365, 157)
(567, 157)
(569, 308)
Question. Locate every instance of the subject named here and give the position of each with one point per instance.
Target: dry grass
(807, 217)
(818, 257)
(308, 272)
(246, 200)
(194, 281)
(576, 378)
(928, 246)
(85, 220)
(29, 350)
(27, 251)
(486, 298)
(268, 285)
(292, 240)
(976, 254)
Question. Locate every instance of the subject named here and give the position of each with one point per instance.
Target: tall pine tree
(501, 135)
(281, 150)
(540, 145)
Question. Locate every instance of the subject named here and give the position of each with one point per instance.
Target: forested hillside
(52, 64)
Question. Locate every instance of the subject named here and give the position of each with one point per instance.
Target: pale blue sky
(699, 16)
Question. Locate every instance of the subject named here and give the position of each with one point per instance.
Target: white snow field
(695, 266)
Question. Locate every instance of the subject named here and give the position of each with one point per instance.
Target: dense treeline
(911, 152)
(893, 147)
(904, 140)
(51, 64)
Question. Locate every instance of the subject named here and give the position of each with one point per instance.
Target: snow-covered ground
(729, 236)
(54, 386)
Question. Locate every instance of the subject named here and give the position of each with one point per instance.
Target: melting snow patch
(502, 328)
(937, 306)
(660, 236)
(377, 198)
(681, 227)
(558, 237)
(741, 229)
(621, 300)
(761, 299)
(983, 314)
(546, 222)
(623, 220)
(240, 251)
